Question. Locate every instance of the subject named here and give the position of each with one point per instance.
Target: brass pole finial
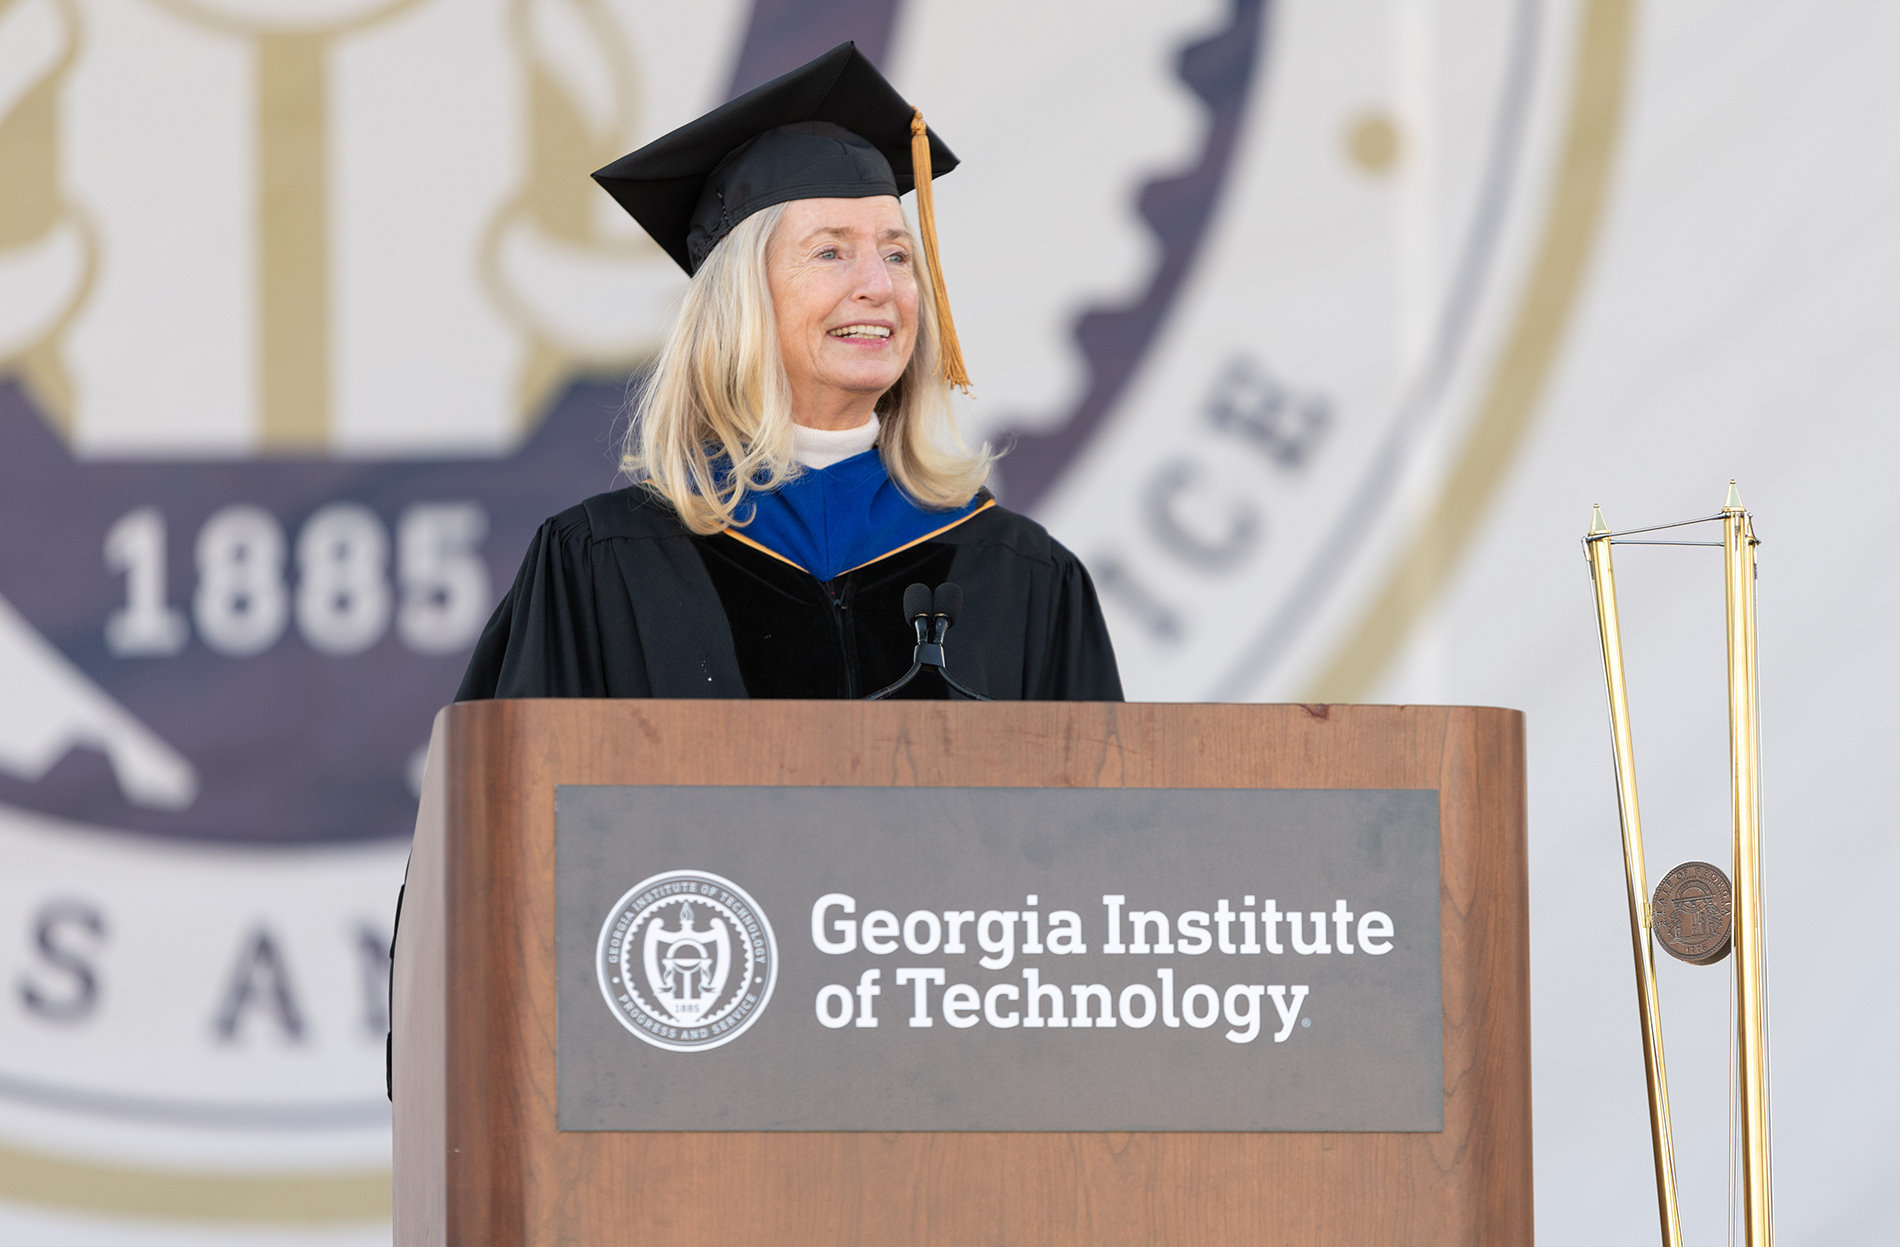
(1734, 502)
(1597, 527)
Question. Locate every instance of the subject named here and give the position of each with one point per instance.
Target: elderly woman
(794, 459)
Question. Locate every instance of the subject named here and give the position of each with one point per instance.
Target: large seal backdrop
(1314, 328)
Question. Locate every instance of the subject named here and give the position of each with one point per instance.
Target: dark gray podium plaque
(763, 958)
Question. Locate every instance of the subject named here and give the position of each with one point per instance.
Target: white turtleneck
(820, 448)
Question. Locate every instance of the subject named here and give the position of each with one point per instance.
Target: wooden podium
(479, 1158)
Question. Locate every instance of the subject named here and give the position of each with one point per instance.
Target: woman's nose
(873, 278)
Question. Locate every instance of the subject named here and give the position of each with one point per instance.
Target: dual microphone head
(931, 616)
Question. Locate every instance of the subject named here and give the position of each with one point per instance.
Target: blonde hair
(714, 419)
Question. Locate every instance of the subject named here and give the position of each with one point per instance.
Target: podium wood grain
(479, 1159)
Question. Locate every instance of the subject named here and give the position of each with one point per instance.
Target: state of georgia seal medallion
(687, 960)
(1693, 913)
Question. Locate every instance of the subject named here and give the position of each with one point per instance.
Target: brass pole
(1738, 539)
(1597, 548)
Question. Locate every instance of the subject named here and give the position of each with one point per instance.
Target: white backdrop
(1375, 298)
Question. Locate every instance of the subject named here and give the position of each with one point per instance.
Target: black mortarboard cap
(831, 129)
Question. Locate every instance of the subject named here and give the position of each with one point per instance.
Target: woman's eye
(899, 257)
(829, 253)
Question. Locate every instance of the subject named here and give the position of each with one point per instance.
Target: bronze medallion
(1693, 904)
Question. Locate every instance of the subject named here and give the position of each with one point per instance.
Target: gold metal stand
(1744, 732)
(1750, 1016)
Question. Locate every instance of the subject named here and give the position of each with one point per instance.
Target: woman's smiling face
(844, 293)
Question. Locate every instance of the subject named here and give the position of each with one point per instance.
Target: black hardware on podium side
(931, 617)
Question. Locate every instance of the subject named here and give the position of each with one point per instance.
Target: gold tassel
(952, 362)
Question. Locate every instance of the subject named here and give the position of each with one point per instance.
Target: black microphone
(931, 616)
(945, 605)
(920, 610)
(917, 610)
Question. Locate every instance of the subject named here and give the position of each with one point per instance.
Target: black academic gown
(617, 599)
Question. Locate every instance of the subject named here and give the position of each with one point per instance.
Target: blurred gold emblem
(564, 285)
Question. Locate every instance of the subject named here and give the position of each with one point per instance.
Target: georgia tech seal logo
(687, 960)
